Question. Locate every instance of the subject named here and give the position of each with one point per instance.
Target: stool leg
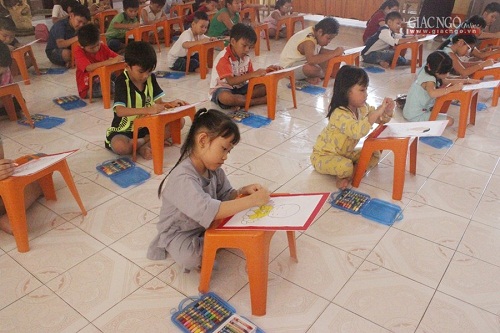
(203, 63)
(257, 45)
(106, 89)
(257, 266)
(64, 170)
(21, 64)
(292, 245)
(292, 84)
(249, 95)
(464, 116)
(22, 103)
(16, 212)
(271, 93)
(207, 263)
(473, 109)
(175, 131)
(364, 159)
(399, 169)
(8, 103)
(157, 138)
(413, 156)
(47, 185)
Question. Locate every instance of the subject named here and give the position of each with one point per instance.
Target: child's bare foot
(5, 225)
(313, 80)
(145, 152)
(384, 64)
(342, 183)
(235, 108)
(168, 142)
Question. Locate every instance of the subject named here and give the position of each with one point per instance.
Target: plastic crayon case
(210, 314)
(359, 203)
(123, 172)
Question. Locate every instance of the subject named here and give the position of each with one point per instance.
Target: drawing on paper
(270, 210)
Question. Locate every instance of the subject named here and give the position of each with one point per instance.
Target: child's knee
(121, 145)
(228, 98)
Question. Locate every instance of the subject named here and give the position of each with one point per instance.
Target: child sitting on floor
(197, 191)
(153, 13)
(349, 119)
(225, 19)
(136, 93)
(121, 23)
(89, 56)
(282, 8)
(460, 46)
(307, 48)
(379, 48)
(177, 56)
(428, 86)
(233, 68)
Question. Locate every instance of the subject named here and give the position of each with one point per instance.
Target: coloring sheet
(287, 212)
(39, 163)
(419, 128)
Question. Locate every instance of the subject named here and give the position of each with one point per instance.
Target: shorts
(235, 91)
(142, 133)
(55, 56)
(181, 62)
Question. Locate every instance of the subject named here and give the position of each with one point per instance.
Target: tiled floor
(437, 270)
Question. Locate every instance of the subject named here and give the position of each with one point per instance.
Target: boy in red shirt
(91, 55)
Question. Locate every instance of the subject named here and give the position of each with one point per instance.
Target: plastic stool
(468, 101)
(104, 73)
(7, 93)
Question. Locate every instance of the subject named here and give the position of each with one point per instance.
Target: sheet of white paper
(39, 164)
(429, 37)
(179, 108)
(287, 211)
(354, 50)
(420, 128)
(496, 65)
(30, 43)
(285, 70)
(481, 85)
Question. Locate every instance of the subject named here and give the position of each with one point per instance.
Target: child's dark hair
(200, 16)
(229, 2)
(7, 24)
(393, 16)
(160, 3)
(469, 39)
(474, 21)
(240, 30)
(5, 58)
(328, 25)
(88, 35)
(492, 7)
(81, 10)
(347, 77)
(215, 123)
(141, 54)
(438, 62)
(130, 4)
(281, 3)
(69, 3)
(389, 4)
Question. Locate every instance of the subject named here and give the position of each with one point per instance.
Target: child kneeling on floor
(349, 119)
(197, 191)
(136, 94)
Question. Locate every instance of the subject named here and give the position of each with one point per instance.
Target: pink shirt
(6, 78)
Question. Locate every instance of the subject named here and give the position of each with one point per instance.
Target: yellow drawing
(261, 212)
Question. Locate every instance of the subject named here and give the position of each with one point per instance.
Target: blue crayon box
(360, 203)
(210, 314)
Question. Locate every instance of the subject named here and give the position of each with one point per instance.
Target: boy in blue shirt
(63, 34)
(137, 93)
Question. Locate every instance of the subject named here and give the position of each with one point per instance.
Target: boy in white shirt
(177, 56)
(379, 48)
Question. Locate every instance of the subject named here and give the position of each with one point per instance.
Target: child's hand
(155, 108)
(249, 189)
(389, 106)
(259, 72)
(273, 68)
(487, 63)
(174, 103)
(260, 197)
(6, 168)
(117, 59)
(457, 87)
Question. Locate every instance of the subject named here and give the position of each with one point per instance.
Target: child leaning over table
(233, 68)
(349, 119)
(379, 48)
(136, 94)
(6, 76)
(281, 9)
(91, 55)
(197, 191)
(177, 56)
(153, 12)
(8, 37)
(121, 23)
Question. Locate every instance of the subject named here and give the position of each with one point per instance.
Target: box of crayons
(123, 172)
(69, 102)
(359, 203)
(210, 314)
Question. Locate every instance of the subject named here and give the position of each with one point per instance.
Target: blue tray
(307, 88)
(56, 70)
(359, 203)
(169, 75)
(123, 172)
(438, 142)
(42, 121)
(69, 102)
(256, 121)
(210, 313)
(374, 69)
